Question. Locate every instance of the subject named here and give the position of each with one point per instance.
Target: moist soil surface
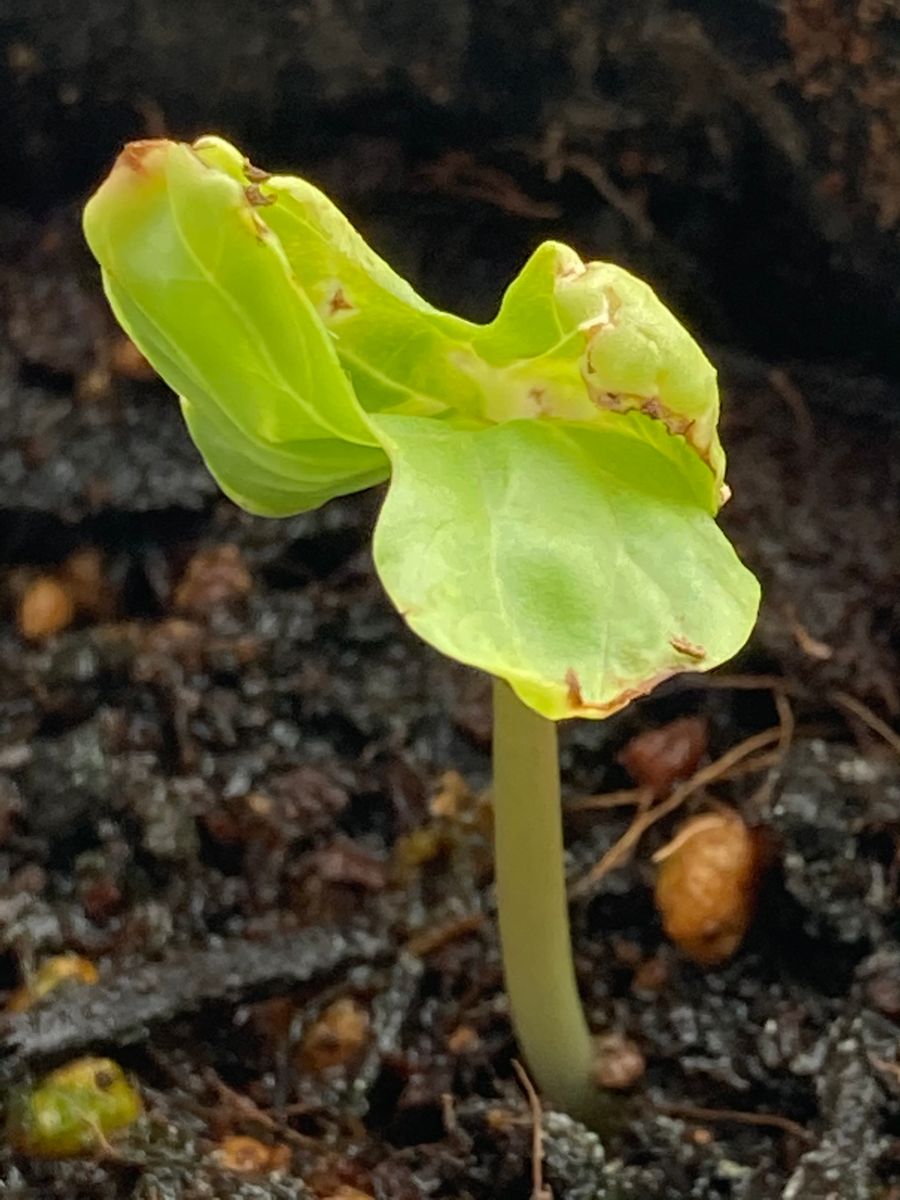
(236, 783)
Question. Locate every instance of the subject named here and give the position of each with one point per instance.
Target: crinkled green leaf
(571, 560)
(400, 351)
(206, 292)
(571, 340)
(580, 340)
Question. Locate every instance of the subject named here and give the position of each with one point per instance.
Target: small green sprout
(554, 478)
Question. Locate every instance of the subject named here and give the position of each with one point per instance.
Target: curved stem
(533, 912)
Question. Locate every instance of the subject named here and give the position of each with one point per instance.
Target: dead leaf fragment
(247, 1156)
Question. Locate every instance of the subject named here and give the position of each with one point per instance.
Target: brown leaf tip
(135, 154)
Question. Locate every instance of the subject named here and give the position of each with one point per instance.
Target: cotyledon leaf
(571, 560)
(571, 340)
(613, 347)
(206, 292)
(272, 480)
(402, 354)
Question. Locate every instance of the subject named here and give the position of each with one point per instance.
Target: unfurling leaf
(555, 472)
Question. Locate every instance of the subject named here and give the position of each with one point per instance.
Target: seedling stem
(532, 907)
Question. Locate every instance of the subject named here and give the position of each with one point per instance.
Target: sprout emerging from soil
(554, 478)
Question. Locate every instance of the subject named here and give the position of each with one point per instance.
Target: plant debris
(707, 883)
(73, 1110)
(62, 969)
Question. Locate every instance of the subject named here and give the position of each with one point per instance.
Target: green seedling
(554, 478)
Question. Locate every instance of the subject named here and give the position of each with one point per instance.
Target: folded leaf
(587, 339)
(204, 289)
(571, 340)
(400, 352)
(573, 561)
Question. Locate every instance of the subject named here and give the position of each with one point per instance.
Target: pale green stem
(533, 913)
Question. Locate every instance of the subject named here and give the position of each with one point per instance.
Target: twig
(850, 704)
(643, 821)
(639, 797)
(811, 646)
(784, 386)
(690, 829)
(426, 941)
(753, 766)
(764, 1120)
(630, 209)
(539, 1191)
(247, 1108)
(786, 726)
(457, 173)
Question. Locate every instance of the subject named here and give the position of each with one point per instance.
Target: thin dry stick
(426, 941)
(250, 1110)
(628, 206)
(784, 386)
(690, 829)
(811, 646)
(786, 725)
(539, 1191)
(786, 721)
(771, 1120)
(753, 766)
(639, 797)
(643, 821)
(850, 704)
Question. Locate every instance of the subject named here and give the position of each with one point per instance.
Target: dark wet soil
(218, 781)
